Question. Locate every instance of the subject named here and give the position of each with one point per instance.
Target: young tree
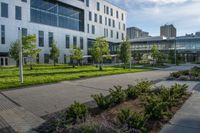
(54, 53)
(14, 52)
(155, 53)
(100, 50)
(29, 48)
(125, 52)
(76, 55)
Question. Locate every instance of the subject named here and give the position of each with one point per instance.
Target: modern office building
(71, 23)
(187, 47)
(134, 32)
(168, 31)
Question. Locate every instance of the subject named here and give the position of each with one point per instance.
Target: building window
(87, 3)
(122, 16)
(24, 32)
(67, 41)
(81, 42)
(100, 19)
(106, 20)
(88, 28)
(117, 14)
(95, 17)
(3, 40)
(46, 58)
(41, 38)
(107, 10)
(111, 33)
(50, 39)
(24, 0)
(117, 36)
(104, 9)
(111, 11)
(122, 36)
(4, 10)
(93, 29)
(119, 25)
(124, 27)
(98, 6)
(18, 13)
(106, 32)
(55, 13)
(74, 42)
(113, 23)
(90, 16)
(109, 22)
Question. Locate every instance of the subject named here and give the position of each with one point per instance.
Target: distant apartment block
(168, 31)
(134, 32)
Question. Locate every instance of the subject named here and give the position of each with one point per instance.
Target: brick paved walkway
(14, 118)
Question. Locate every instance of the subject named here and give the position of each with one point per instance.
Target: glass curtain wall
(58, 14)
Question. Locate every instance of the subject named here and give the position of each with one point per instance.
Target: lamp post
(20, 56)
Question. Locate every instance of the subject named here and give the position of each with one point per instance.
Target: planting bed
(141, 109)
(186, 75)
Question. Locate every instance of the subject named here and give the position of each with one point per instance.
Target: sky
(149, 15)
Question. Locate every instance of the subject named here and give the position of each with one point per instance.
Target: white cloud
(150, 14)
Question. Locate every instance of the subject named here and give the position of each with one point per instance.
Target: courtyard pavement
(38, 101)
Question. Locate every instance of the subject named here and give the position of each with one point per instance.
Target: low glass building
(186, 47)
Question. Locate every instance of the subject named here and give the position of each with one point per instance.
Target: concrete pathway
(14, 118)
(187, 119)
(21, 109)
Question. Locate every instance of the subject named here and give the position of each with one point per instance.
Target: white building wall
(11, 26)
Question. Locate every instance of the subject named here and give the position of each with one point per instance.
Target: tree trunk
(31, 66)
(100, 67)
(54, 62)
(17, 63)
(124, 66)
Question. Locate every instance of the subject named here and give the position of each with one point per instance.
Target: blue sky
(150, 14)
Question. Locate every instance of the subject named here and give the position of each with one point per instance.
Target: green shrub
(179, 90)
(141, 88)
(124, 116)
(131, 92)
(76, 112)
(103, 102)
(144, 86)
(133, 120)
(155, 107)
(117, 94)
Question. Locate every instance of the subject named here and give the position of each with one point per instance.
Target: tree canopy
(100, 50)
(54, 53)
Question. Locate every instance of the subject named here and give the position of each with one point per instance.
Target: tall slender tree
(76, 55)
(100, 51)
(30, 49)
(125, 52)
(54, 53)
(14, 52)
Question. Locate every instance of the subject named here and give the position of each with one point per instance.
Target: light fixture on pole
(20, 56)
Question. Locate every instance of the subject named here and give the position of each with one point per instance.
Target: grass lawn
(9, 76)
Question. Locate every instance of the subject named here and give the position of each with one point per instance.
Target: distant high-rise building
(134, 32)
(168, 30)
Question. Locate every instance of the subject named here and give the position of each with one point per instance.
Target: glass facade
(57, 14)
